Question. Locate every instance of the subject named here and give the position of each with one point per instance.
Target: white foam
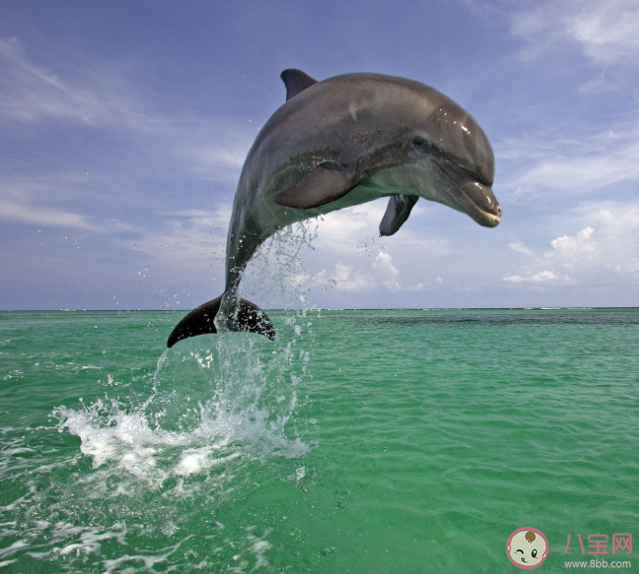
(70, 548)
(241, 419)
(194, 461)
(149, 560)
(17, 545)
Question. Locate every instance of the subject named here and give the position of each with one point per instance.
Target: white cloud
(607, 248)
(107, 95)
(32, 92)
(630, 268)
(58, 201)
(43, 216)
(386, 271)
(53, 201)
(342, 252)
(382, 274)
(349, 230)
(540, 277)
(211, 149)
(194, 238)
(521, 248)
(620, 221)
(38, 88)
(567, 251)
(218, 217)
(572, 248)
(606, 33)
(344, 278)
(223, 156)
(545, 164)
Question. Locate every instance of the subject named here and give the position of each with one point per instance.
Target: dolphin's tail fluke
(248, 318)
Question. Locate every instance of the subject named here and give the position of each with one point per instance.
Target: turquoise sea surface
(397, 441)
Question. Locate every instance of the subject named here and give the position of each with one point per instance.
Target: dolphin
(340, 142)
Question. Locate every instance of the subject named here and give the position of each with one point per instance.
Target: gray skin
(349, 140)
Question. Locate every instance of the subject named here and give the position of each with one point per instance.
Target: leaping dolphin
(341, 142)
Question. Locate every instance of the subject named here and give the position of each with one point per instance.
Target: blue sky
(124, 126)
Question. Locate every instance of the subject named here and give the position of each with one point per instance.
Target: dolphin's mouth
(475, 199)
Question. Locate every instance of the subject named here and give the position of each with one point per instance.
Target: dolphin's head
(458, 164)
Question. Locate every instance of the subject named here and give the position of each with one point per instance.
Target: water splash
(213, 398)
(216, 415)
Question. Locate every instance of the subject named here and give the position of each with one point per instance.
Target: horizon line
(549, 308)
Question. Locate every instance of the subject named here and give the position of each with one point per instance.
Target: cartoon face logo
(527, 548)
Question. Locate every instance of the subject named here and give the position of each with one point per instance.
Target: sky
(124, 127)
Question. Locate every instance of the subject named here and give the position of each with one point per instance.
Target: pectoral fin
(398, 210)
(326, 183)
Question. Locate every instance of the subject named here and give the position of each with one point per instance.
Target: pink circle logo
(527, 548)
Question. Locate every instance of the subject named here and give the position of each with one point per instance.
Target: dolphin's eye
(425, 146)
(420, 142)
(534, 553)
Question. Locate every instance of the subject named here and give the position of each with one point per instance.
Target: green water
(358, 442)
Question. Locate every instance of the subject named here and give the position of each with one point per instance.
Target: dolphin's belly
(271, 217)
(267, 217)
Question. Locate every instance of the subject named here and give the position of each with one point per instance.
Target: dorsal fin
(296, 81)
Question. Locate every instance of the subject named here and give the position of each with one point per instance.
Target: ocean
(359, 441)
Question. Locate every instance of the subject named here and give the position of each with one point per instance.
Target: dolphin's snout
(488, 211)
(482, 196)
(474, 198)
